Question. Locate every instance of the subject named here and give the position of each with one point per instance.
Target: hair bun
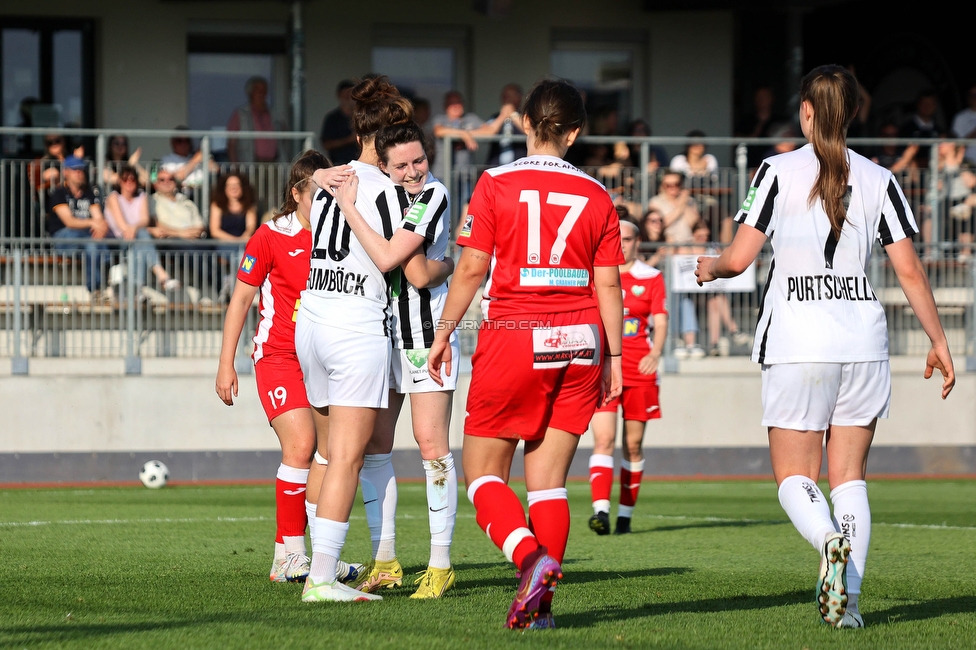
(374, 87)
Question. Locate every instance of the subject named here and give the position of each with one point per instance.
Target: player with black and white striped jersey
(416, 310)
(342, 339)
(822, 336)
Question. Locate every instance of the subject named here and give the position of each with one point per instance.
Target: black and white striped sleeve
(424, 216)
(897, 221)
(759, 207)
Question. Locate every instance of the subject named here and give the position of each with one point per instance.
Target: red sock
(631, 474)
(601, 481)
(290, 512)
(501, 515)
(549, 511)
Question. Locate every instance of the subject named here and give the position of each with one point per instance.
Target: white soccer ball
(154, 474)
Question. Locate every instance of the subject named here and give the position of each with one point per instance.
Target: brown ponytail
(554, 108)
(833, 93)
(299, 177)
(378, 104)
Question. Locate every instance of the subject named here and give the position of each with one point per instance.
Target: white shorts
(341, 367)
(409, 374)
(813, 396)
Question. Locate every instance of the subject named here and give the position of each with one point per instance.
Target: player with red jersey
(550, 236)
(645, 329)
(276, 263)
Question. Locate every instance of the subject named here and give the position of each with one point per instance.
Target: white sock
(310, 509)
(294, 544)
(852, 517)
(442, 504)
(280, 551)
(602, 460)
(807, 508)
(625, 511)
(380, 499)
(330, 536)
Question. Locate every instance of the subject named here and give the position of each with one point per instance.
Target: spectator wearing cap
(253, 116)
(75, 213)
(337, 136)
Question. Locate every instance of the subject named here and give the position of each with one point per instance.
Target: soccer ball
(154, 474)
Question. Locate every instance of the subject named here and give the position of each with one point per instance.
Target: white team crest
(637, 290)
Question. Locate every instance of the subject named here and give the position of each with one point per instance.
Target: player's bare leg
(296, 434)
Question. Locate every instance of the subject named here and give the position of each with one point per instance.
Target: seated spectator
(680, 211)
(657, 156)
(76, 213)
(184, 163)
(653, 237)
(118, 156)
(337, 136)
(508, 150)
(892, 156)
(695, 162)
(785, 131)
(45, 171)
(964, 124)
(758, 123)
(456, 122)
(177, 217)
(254, 116)
(924, 123)
(127, 215)
(701, 174)
(233, 219)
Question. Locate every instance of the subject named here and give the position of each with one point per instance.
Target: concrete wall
(711, 414)
(141, 57)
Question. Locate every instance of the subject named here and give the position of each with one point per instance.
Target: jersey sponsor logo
(248, 263)
(805, 288)
(337, 281)
(560, 346)
(638, 290)
(466, 228)
(631, 327)
(416, 214)
(554, 277)
(297, 251)
(750, 197)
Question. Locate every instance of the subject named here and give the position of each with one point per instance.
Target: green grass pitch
(709, 565)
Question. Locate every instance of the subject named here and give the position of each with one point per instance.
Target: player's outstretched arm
(470, 272)
(237, 308)
(915, 283)
(735, 259)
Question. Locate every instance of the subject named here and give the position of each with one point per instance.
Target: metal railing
(103, 299)
(108, 299)
(24, 188)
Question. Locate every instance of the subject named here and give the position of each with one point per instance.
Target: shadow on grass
(707, 524)
(71, 633)
(922, 610)
(733, 603)
(574, 577)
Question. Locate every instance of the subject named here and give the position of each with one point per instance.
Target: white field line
(200, 520)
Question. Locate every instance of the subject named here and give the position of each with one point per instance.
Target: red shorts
(640, 403)
(281, 386)
(532, 374)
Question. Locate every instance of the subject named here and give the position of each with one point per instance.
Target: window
(608, 68)
(426, 64)
(47, 77)
(221, 58)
